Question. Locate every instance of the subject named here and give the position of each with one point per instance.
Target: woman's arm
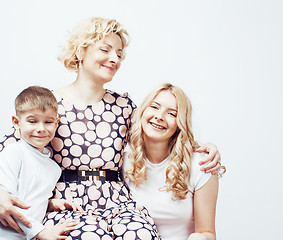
(204, 210)
(213, 155)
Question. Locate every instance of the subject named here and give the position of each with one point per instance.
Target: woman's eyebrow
(109, 45)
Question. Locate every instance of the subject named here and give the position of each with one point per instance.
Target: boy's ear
(57, 121)
(16, 122)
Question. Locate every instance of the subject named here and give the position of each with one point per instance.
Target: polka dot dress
(94, 137)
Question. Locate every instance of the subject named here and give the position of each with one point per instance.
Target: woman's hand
(59, 231)
(63, 204)
(213, 156)
(8, 212)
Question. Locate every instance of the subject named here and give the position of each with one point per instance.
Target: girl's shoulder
(197, 177)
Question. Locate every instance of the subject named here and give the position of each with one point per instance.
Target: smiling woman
(102, 60)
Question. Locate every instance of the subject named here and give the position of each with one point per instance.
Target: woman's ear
(79, 53)
(16, 122)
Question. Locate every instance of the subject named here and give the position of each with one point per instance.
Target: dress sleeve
(131, 107)
(12, 136)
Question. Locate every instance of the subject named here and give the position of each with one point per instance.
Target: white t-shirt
(174, 219)
(31, 176)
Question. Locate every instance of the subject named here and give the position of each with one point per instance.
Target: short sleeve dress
(94, 137)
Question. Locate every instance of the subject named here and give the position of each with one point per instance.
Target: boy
(26, 169)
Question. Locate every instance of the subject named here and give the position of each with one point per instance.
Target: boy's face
(37, 127)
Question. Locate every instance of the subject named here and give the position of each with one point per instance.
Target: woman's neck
(156, 152)
(88, 92)
(82, 92)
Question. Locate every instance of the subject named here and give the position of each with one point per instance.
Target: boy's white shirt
(31, 176)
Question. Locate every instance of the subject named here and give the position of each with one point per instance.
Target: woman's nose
(113, 57)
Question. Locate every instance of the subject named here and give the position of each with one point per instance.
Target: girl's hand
(63, 204)
(59, 231)
(8, 212)
(197, 236)
(213, 155)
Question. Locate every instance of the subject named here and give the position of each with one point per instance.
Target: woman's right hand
(8, 212)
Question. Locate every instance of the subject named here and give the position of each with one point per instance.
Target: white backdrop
(227, 56)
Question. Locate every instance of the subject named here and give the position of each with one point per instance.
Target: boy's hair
(35, 97)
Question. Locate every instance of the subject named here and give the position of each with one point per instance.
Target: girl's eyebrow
(171, 109)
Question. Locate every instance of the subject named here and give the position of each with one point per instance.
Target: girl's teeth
(157, 126)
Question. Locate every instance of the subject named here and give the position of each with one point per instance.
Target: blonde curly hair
(89, 31)
(181, 147)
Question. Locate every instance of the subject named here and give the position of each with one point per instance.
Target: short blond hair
(90, 31)
(35, 97)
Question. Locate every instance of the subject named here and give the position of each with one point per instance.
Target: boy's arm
(8, 212)
(10, 165)
(59, 231)
(32, 231)
(10, 169)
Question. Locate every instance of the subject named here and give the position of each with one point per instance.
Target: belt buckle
(101, 175)
(81, 173)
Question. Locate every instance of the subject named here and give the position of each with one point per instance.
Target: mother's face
(102, 60)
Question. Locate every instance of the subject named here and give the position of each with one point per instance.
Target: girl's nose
(159, 116)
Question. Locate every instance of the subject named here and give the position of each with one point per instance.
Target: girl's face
(159, 120)
(100, 61)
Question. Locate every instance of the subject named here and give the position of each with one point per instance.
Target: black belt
(92, 175)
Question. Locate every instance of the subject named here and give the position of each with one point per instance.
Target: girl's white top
(173, 218)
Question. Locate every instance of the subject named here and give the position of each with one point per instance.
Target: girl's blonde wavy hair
(89, 31)
(181, 146)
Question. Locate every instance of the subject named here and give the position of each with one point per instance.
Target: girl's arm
(204, 210)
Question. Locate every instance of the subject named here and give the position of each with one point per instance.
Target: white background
(226, 55)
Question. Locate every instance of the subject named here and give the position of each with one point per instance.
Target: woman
(162, 169)
(91, 138)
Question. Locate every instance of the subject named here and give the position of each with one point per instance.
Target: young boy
(26, 169)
